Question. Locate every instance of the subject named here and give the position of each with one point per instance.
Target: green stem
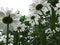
(42, 33)
(7, 34)
(43, 13)
(19, 38)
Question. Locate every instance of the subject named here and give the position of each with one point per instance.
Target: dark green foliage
(16, 38)
(55, 39)
(41, 36)
(53, 2)
(53, 19)
(27, 23)
(22, 18)
(36, 41)
(1, 43)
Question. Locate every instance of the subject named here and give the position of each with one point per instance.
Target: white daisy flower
(57, 29)
(7, 16)
(10, 44)
(48, 30)
(33, 19)
(20, 27)
(3, 38)
(43, 21)
(38, 5)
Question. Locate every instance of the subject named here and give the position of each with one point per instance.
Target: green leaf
(53, 2)
(36, 41)
(2, 43)
(58, 25)
(27, 23)
(26, 43)
(22, 18)
(52, 19)
(41, 33)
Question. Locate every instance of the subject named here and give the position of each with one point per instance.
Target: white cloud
(22, 5)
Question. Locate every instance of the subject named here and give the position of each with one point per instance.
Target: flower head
(38, 5)
(20, 27)
(33, 19)
(8, 17)
(7, 20)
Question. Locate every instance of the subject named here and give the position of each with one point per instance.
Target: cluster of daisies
(44, 9)
(16, 23)
(44, 12)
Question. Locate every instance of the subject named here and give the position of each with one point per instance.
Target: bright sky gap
(21, 5)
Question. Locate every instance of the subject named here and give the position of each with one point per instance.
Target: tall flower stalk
(7, 20)
(7, 34)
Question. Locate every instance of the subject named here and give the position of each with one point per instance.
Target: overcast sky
(22, 5)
